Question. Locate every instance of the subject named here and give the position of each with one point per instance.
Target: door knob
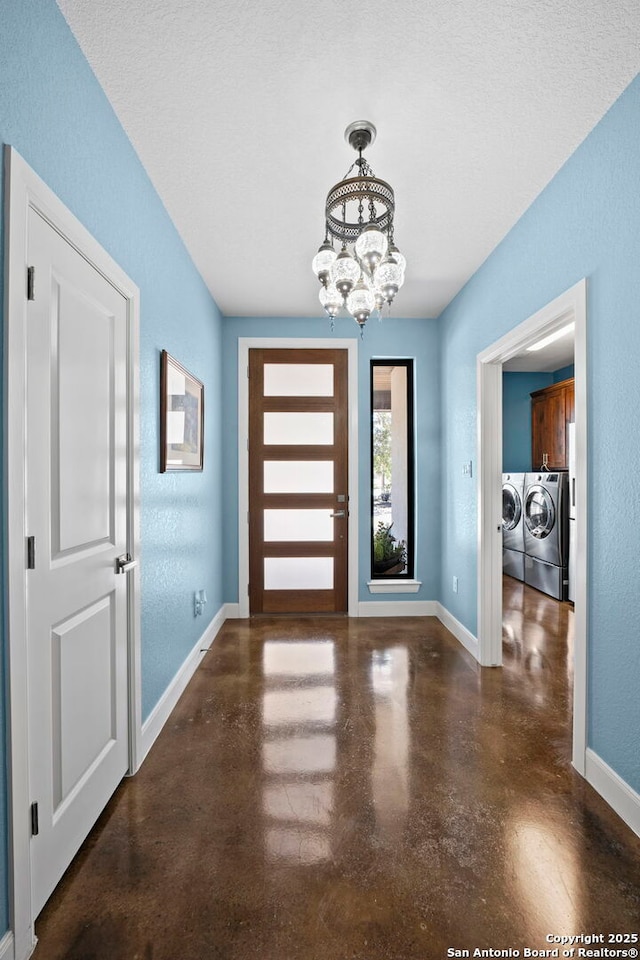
(125, 563)
(338, 513)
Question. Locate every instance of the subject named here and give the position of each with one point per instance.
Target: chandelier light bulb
(344, 272)
(388, 278)
(361, 302)
(371, 246)
(321, 263)
(331, 299)
(399, 258)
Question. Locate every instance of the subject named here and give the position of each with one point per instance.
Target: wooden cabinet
(551, 410)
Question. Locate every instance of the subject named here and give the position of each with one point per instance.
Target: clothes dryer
(513, 524)
(546, 532)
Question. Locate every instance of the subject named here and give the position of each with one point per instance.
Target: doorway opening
(570, 307)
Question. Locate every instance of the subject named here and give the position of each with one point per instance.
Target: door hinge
(31, 553)
(35, 827)
(31, 283)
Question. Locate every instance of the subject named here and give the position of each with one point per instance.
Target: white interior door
(76, 513)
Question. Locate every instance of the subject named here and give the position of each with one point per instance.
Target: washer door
(511, 507)
(539, 512)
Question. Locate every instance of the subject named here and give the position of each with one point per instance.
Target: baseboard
(612, 788)
(162, 711)
(397, 608)
(6, 947)
(231, 611)
(460, 632)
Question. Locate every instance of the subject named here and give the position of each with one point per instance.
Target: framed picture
(181, 417)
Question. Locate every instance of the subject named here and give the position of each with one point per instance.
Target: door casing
(298, 343)
(24, 190)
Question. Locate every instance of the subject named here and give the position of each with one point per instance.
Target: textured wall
(516, 417)
(55, 114)
(392, 338)
(584, 224)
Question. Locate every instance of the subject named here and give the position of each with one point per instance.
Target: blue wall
(417, 339)
(563, 374)
(53, 111)
(584, 224)
(516, 414)
(516, 417)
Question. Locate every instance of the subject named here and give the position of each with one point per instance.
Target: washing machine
(546, 532)
(513, 524)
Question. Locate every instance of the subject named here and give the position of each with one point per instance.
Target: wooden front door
(298, 481)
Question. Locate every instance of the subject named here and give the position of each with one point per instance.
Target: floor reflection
(301, 707)
(545, 869)
(537, 636)
(310, 802)
(282, 658)
(390, 767)
(299, 749)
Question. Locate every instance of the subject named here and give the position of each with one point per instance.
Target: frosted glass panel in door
(298, 476)
(298, 525)
(298, 379)
(298, 573)
(286, 428)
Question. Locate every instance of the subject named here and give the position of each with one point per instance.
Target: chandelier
(368, 270)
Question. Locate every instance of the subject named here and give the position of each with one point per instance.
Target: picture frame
(181, 417)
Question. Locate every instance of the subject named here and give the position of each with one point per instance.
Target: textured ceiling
(237, 109)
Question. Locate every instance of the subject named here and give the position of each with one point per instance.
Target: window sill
(394, 586)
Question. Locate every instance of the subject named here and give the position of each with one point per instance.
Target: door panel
(302, 380)
(82, 348)
(298, 481)
(298, 525)
(83, 695)
(298, 476)
(76, 510)
(297, 428)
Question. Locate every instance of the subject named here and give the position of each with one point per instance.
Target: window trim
(401, 580)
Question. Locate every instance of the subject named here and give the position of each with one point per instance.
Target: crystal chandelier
(368, 270)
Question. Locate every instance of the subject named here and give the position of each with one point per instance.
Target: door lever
(125, 563)
(338, 513)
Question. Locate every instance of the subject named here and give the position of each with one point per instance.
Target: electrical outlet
(455, 584)
(199, 601)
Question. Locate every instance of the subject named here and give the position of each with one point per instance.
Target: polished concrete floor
(334, 789)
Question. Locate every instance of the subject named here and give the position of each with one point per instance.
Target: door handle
(125, 563)
(338, 513)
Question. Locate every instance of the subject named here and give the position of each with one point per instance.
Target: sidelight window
(392, 469)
